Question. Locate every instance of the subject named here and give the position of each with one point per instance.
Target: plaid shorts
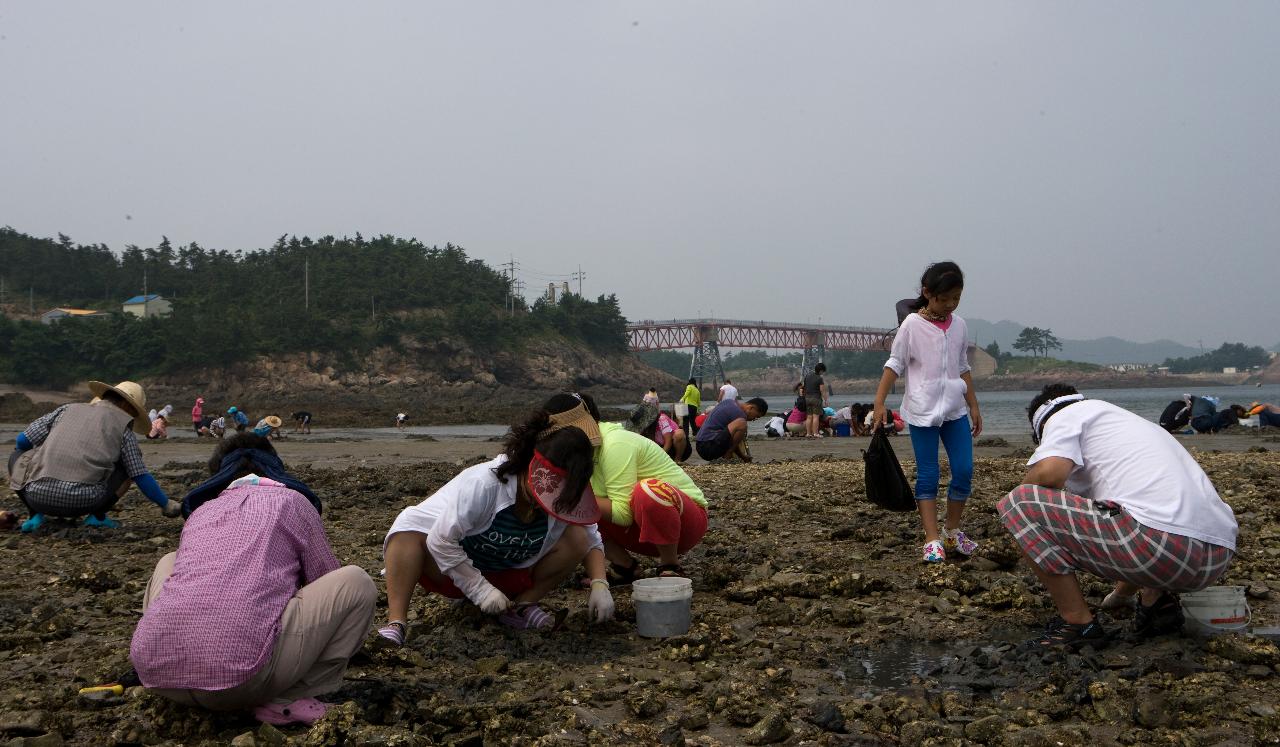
(1062, 533)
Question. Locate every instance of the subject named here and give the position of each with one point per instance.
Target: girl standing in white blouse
(939, 404)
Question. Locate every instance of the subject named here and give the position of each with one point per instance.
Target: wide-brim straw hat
(273, 421)
(133, 396)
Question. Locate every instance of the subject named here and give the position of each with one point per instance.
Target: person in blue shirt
(725, 429)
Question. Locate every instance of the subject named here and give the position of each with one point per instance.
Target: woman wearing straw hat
(79, 459)
(268, 427)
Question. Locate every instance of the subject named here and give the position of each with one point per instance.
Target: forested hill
(344, 296)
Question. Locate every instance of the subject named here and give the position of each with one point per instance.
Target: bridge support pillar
(706, 362)
(813, 355)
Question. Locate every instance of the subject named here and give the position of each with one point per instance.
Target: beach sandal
(1061, 634)
(934, 553)
(955, 539)
(391, 635)
(527, 616)
(300, 711)
(105, 522)
(670, 571)
(1162, 618)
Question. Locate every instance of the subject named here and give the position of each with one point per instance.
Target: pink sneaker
(933, 552)
(300, 711)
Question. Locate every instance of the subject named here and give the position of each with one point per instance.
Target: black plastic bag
(887, 485)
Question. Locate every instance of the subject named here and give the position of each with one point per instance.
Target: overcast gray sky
(1095, 167)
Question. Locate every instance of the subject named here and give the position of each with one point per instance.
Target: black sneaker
(1061, 634)
(1162, 618)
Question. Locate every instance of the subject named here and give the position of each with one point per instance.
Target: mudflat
(813, 622)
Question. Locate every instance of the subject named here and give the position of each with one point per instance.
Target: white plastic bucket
(681, 409)
(663, 606)
(1218, 609)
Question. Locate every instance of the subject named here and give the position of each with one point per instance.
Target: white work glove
(492, 601)
(600, 606)
(172, 509)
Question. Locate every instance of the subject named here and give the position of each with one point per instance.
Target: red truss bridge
(707, 336)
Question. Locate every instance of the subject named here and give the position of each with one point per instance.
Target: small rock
(772, 728)
(979, 563)
(671, 736)
(774, 612)
(942, 606)
(986, 730)
(695, 720)
(159, 541)
(52, 739)
(1258, 591)
(24, 723)
(1258, 671)
(826, 716)
(1261, 710)
(247, 739)
(270, 736)
(491, 665)
(1152, 713)
(644, 703)
(916, 732)
(1245, 649)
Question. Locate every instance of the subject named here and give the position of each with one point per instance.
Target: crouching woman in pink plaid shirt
(1113, 494)
(253, 610)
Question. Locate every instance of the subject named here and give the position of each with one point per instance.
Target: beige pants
(322, 627)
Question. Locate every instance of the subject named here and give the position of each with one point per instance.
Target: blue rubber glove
(107, 523)
(32, 524)
(24, 443)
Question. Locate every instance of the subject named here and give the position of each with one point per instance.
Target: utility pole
(509, 269)
(144, 283)
(579, 275)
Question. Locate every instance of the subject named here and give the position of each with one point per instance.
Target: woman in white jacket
(505, 533)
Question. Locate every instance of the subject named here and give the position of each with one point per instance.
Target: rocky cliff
(436, 382)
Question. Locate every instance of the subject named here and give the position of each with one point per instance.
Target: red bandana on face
(547, 482)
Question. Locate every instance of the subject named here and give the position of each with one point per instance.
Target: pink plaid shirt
(241, 558)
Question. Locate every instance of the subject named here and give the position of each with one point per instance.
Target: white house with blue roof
(147, 306)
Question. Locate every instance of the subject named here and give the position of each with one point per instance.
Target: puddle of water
(896, 665)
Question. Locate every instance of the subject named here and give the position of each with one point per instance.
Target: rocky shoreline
(813, 623)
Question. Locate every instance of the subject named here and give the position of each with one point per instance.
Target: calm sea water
(1005, 413)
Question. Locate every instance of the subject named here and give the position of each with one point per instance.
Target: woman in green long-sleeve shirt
(693, 398)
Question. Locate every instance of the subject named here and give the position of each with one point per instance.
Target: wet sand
(814, 623)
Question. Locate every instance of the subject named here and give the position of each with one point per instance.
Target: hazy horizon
(1098, 169)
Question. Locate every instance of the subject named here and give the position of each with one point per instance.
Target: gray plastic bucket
(1217, 609)
(662, 606)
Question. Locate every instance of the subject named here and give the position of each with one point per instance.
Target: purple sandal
(527, 616)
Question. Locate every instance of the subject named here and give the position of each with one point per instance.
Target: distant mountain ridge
(1102, 351)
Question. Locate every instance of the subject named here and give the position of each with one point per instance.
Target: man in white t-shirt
(728, 392)
(1113, 494)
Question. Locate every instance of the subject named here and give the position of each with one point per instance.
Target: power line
(579, 275)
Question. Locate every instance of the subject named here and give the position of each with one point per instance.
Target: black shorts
(716, 446)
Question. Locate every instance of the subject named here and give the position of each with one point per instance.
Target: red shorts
(512, 582)
(660, 515)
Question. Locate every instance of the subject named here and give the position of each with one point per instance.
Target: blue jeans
(958, 441)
